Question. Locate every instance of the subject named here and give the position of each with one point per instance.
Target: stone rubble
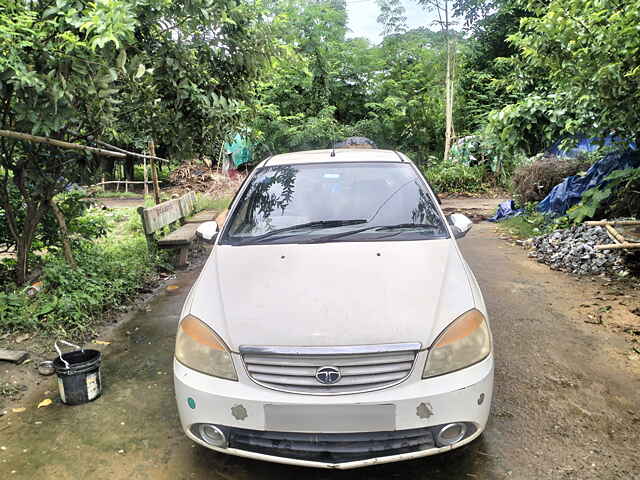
(573, 250)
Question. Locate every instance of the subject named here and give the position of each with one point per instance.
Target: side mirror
(460, 224)
(208, 232)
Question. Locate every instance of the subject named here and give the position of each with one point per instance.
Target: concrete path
(566, 404)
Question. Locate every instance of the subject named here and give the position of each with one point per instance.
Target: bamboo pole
(614, 234)
(109, 182)
(59, 143)
(126, 152)
(154, 172)
(602, 223)
(618, 246)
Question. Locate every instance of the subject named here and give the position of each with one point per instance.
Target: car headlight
(198, 347)
(465, 342)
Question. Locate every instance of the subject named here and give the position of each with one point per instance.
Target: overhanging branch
(59, 143)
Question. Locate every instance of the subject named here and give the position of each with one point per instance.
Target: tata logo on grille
(328, 375)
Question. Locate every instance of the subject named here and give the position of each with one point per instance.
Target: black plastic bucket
(79, 379)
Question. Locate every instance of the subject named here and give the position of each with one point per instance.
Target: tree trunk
(128, 169)
(448, 87)
(24, 242)
(64, 233)
(107, 165)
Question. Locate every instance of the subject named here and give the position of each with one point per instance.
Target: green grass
(520, 227)
(205, 202)
(110, 272)
(101, 194)
(532, 223)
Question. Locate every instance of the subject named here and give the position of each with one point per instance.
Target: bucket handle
(66, 364)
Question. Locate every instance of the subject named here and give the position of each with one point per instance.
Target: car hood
(332, 294)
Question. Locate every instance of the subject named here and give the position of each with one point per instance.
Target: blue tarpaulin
(569, 192)
(506, 210)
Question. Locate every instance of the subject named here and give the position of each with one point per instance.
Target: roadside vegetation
(113, 264)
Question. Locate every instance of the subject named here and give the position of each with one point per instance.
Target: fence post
(146, 177)
(154, 172)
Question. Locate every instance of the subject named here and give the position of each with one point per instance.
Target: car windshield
(309, 203)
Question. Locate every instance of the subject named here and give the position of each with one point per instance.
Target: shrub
(618, 197)
(456, 177)
(533, 182)
(109, 274)
(73, 205)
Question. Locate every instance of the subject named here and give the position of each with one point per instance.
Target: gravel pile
(573, 250)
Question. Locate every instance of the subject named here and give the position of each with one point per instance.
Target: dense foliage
(109, 273)
(323, 86)
(527, 73)
(124, 71)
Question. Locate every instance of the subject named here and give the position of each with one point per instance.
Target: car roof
(341, 155)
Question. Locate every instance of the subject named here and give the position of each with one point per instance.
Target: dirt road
(567, 401)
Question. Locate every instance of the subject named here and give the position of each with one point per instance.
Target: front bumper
(242, 409)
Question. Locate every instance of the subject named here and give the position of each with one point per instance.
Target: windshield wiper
(399, 226)
(304, 226)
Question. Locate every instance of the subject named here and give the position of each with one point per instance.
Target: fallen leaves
(18, 409)
(45, 403)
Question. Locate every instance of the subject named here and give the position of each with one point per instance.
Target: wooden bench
(176, 214)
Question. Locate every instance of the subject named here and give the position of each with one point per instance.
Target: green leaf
(122, 60)
(139, 72)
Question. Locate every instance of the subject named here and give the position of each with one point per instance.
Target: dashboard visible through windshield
(334, 202)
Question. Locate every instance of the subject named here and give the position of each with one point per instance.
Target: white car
(335, 323)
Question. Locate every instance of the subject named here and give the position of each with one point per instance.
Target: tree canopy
(514, 74)
(117, 70)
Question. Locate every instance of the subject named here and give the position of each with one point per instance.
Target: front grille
(331, 447)
(362, 368)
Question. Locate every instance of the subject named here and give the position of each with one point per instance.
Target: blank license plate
(330, 418)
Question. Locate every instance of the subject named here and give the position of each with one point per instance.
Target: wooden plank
(183, 257)
(182, 236)
(203, 216)
(187, 204)
(161, 215)
(15, 356)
